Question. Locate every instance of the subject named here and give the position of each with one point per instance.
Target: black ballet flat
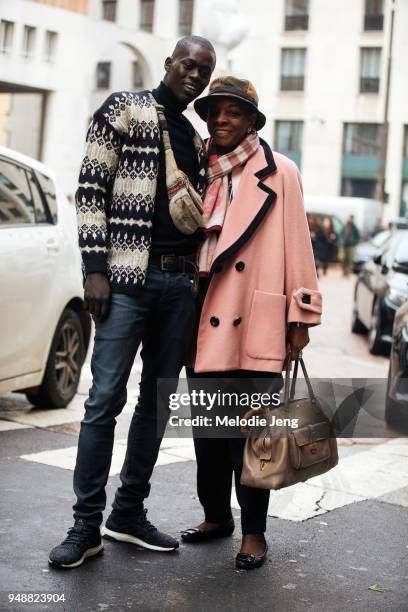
(247, 562)
(195, 535)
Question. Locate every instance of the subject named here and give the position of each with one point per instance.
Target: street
(337, 542)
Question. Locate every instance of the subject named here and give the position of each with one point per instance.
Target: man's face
(189, 71)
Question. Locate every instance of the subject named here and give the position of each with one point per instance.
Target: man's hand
(298, 338)
(97, 294)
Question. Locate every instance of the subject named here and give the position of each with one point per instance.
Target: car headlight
(395, 298)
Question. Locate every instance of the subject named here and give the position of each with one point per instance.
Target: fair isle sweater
(117, 189)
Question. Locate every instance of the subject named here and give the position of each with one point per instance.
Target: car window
(48, 189)
(380, 239)
(401, 254)
(394, 246)
(41, 214)
(16, 205)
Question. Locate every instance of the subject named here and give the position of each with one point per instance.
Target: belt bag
(185, 204)
(280, 456)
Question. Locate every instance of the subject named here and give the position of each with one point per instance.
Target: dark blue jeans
(161, 317)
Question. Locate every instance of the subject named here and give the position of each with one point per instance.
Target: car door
(28, 250)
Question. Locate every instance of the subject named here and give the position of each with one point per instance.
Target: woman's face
(229, 122)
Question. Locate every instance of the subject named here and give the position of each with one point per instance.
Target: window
(186, 10)
(293, 69)
(29, 41)
(6, 36)
(374, 15)
(109, 10)
(288, 139)
(146, 15)
(362, 139)
(103, 70)
(137, 76)
(405, 150)
(404, 186)
(48, 191)
(41, 213)
(16, 206)
(50, 45)
(370, 70)
(361, 159)
(297, 15)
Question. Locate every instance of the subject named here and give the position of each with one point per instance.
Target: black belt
(175, 263)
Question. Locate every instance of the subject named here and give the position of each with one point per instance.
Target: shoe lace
(144, 522)
(77, 533)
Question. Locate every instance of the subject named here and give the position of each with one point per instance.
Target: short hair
(192, 40)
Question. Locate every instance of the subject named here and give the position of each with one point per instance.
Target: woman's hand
(298, 338)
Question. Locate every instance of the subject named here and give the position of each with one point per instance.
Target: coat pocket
(266, 335)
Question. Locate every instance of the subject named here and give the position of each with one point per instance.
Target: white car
(44, 330)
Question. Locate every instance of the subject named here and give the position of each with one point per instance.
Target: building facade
(320, 68)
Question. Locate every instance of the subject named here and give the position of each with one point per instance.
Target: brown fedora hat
(231, 87)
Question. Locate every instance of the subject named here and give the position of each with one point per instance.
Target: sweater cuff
(305, 307)
(95, 262)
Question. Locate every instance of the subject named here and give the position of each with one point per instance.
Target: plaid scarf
(217, 198)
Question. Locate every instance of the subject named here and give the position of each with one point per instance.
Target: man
(137, 288)
(349, 238)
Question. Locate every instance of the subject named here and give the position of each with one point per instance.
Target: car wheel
(375, 345)
(64, 364)
(357, 326)
(393, 412)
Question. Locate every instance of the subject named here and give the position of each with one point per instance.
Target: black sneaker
(138, 530)
(83, 540)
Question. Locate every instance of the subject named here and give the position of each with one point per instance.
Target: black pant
(219, 458)
(161, 316)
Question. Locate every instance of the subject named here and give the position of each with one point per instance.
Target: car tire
(63, 369)
(375, 345)
(357, 326)
(393, 412)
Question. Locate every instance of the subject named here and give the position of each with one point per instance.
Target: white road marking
(10, 425)
(361, 476)
(65, 458)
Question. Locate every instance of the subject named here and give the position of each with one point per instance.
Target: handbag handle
(290, 395)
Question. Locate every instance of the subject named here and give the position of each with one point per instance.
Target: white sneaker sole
(91, 552)
(126, 537)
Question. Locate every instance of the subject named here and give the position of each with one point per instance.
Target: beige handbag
(278, 456)
(185, 204)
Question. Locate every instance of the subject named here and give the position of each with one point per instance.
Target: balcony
(373, 23)
(296, 22)
(369, 85)
(292, 83)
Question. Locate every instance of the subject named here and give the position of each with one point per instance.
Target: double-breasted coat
(263, 274)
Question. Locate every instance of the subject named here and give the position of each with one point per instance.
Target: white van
(366, 211)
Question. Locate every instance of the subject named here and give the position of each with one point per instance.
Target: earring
(250, 130)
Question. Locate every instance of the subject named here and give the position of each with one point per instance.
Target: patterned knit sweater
(117, 188)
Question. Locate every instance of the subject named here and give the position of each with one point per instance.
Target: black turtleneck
(166, 238)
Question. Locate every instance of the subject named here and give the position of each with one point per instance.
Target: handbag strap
(290, 395)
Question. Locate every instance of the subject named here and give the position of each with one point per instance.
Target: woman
(328, 244)
(258, 292)
(316, 235)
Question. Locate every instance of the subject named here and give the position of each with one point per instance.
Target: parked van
(366, 211)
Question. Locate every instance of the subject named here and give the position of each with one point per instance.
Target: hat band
(233, 91)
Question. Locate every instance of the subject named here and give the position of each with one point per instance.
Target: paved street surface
(338, 542)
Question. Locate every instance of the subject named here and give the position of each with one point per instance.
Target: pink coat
(263, 274)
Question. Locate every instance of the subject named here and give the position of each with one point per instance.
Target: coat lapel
(249, 207)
